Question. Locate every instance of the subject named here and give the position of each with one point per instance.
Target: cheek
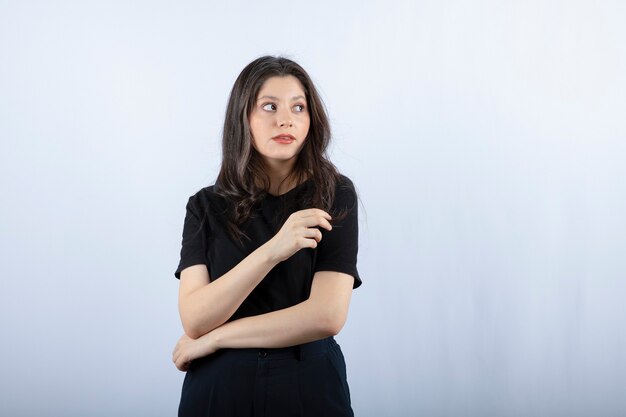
(306, 122)
(253, 132)
(252, 125)
(258, 126)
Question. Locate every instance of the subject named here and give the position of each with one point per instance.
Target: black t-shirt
(206, 241)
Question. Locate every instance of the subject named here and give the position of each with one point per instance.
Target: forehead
(284, 86)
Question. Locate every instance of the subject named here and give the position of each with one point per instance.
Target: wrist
(266, 254)
(214, 339)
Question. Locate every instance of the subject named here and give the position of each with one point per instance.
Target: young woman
(268, 259)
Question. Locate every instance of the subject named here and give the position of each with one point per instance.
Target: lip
(284, 136)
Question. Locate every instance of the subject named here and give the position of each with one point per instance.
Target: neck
(281, 178)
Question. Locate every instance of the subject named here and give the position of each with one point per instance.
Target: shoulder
(204, 199)
(345, 183)
(345, 192)
(202, 195)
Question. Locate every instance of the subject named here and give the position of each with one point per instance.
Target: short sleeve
(337, 251)
(193, 250)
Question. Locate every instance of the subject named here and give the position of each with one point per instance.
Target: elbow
(333, 324)
(193, 327)
(190, 328)
(191, 331)
(328, 319)
(333, 330)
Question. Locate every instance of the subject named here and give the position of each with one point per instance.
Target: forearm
(211, 305)
(301, 323)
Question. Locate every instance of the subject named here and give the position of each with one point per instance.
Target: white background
(487, 142)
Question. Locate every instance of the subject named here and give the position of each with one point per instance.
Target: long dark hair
(242, 179)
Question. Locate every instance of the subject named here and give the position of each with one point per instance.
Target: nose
(284, 119)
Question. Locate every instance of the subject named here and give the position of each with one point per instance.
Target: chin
(281, 157)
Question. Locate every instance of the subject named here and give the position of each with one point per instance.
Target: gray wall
(487, 141)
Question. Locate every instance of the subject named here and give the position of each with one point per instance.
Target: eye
(269, 109)
(301, 107)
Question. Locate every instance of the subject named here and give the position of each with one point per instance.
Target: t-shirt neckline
(294, 189)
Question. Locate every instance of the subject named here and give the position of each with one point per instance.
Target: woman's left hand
(188, 349)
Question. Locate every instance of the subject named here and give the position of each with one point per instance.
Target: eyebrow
(276, 98)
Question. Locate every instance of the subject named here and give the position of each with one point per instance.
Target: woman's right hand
(299, 231)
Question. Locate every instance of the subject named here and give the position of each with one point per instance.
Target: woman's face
(280, 121)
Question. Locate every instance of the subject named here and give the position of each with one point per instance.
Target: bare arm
(322, 315)
(205, 305)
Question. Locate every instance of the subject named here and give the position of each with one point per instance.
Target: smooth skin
(205, 305)
(280, 108)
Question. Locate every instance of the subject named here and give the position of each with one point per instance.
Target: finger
(313, 221)
(181, 365)
(177, 355)
(326, 224)
(308, 243)
(316, 212)
(324, 214)
(323, 222)
(313, 233)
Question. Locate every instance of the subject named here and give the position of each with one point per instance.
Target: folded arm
(204, 304)
(323, 314)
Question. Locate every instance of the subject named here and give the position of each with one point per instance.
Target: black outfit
(308, 379)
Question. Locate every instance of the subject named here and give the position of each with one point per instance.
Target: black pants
(304, 380)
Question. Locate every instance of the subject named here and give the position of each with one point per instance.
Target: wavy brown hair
(242, 179)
